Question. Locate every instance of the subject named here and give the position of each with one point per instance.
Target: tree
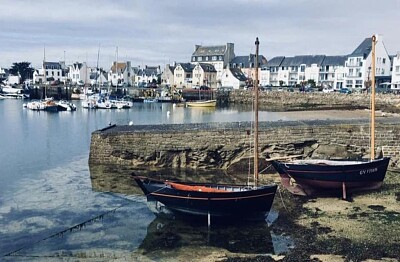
(23, 69)
(311, 82)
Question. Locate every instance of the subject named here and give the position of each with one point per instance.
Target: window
(384, 60)
(358, 83)
(214, 58)
(302, 68)
(397, 70)
(199, 59)
(349, 83)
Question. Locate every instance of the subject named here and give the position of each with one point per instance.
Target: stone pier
(228, 145)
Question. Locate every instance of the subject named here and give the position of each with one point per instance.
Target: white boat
(122, 104)
(11, 90)
(64, 105)
(42, 105)
(202, 103)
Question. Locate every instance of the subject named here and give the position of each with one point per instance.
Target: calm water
(50, 205)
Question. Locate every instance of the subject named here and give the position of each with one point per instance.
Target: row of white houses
(217, 66)
(120, 74)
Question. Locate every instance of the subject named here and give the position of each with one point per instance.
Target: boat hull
(248, 204)
(312, 179)
(208, 103)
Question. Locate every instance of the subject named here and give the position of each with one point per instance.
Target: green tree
(24, 69)
(311, 82)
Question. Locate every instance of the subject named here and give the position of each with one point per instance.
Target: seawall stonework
(228, 145)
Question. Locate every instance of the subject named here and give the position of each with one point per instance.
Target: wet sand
(324, 228)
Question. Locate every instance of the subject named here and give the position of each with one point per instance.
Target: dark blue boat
(216, 200)
(315, 176)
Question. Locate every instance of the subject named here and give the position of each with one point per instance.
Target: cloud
(152, 32)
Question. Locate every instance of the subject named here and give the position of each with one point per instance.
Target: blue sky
(155, 32)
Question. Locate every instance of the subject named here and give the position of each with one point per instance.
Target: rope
(283, 203)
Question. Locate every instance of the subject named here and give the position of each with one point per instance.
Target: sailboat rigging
(213, 200)
(313, 176)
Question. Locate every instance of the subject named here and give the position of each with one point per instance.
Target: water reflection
(167, 234)
(170, 233)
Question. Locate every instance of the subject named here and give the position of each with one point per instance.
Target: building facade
(218, 56)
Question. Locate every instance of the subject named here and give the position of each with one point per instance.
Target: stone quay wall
(228, 145)
(314, 100)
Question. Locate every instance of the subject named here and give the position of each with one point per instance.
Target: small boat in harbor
(42, 105)
(64, 105)
(314, 176)
(216, 200)
(249, 202)
(202, 103)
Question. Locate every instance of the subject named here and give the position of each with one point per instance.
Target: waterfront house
(167, 76)
(273, 66)
(233, 77)
(79, 73)
(219, 56)
(183, 74)
(98, 78)
(147, 75)
(358, 64)
(50, 71)
(396, 73)
(120, 74)
(204, 75)
(332, 71)
(246, 64)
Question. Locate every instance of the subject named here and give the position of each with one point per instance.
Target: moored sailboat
(215, 200)
(313, 176)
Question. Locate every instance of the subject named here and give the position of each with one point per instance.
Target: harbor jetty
(227, 145)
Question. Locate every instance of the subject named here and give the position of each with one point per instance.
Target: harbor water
(52, 207)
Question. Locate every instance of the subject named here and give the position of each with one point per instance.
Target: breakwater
(228, 145)
(284, 101)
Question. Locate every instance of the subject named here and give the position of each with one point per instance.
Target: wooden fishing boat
(202, 103)
(315, 176)
(215, 200)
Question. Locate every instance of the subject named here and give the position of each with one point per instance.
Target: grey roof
(363, 49)
(187, 67)
(303, 59)
(209, 50)
(207, 67)
(246, 60)
(52, 65)
(276, 61)
(238, 74)
(334, 60)
(150, 71)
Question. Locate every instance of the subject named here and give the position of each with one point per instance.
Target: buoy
(131, 123)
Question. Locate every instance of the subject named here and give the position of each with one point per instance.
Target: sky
(157, 32)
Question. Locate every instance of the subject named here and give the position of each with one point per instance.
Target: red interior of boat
(196, 188)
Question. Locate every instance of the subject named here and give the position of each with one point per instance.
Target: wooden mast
(372, 131)
(255, 88)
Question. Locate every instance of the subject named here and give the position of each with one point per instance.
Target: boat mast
(372, 131)
(255, 88)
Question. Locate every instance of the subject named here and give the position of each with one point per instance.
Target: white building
(183, 75)
(358, 64)
(204, 75)
(121, 74)
(79, 73)
(147, 75)
(218, 56)
(54, 71)
(332, 71)
(396, 73)
(233, 77)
